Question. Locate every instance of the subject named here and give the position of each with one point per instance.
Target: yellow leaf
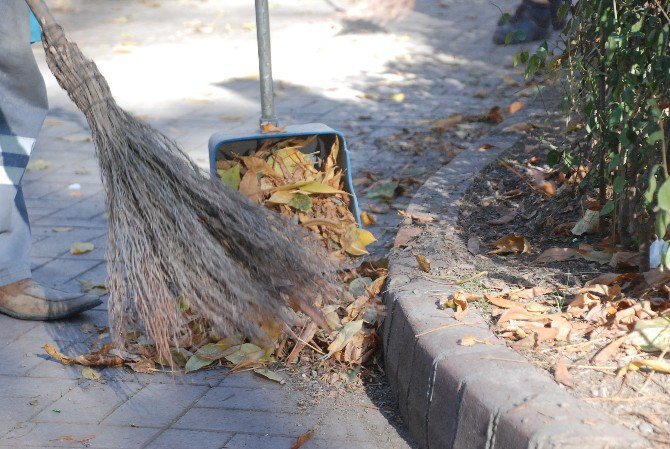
(316, 187)
(344, 335)
(90, 374)
(355, 240)
(81, 248)
(368, 219)
(268, 127)
(662, 366)
(281, 197)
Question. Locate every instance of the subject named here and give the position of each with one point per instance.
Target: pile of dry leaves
(283, 178)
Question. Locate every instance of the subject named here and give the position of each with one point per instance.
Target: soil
(638, 400)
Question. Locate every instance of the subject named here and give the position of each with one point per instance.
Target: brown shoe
(27, 300)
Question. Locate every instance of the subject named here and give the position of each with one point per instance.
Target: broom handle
(268, 114)
(42, 12)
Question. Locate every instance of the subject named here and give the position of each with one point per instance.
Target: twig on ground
(523, 178)
(446, 326)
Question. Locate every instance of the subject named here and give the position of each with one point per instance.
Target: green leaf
(301, 202)
(195, 363)
(554, 157)
(661, 223)
(317, 187)
(651, 191)
(619, 184)
(663, 196)
(384, 190)
(654, 137)
(231, 176)
(607, 208)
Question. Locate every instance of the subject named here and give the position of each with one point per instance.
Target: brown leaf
(515, 107)
(268, 127)
(625, 259)
(557, 255)
(304, 438)
(251, 187)
(416, 217)
(368, 219)
(588, 224)
(511, 243)
(424, 264)
(486, 146)
(470, 340)
(562, 375)
(494, 115)
(505, 219)
(608, 351)
(503, 303)
(406, 235)
(520, 127)
(530, 293)
(450, 122)
(613, 278)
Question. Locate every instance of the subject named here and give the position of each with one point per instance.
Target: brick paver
(187, 67)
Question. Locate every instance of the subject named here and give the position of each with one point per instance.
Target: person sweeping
(23, 107)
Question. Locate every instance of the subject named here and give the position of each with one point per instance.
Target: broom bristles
(176, 234)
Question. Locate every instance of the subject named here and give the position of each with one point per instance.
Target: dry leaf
(355, 241)
(661, 366)
(416, 217)
(268, 127)
(251, 187)
(302, 439)
(530, 293)
(588, 224)
(486, 146)
(511, 243)
(508, 217)
(368, 219)
(562, 375)
(450, 122)
(37, 165)
(625, 259)
(515, 107)
(557, 255)
(520, 127)
(90, 374)
(81, 248)
(501, 302)
(474, 245)
(424, 264)
(494, 115)
(470, 340)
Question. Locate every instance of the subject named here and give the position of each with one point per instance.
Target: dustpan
(225, 145)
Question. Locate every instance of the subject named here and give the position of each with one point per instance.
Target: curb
(481, 396)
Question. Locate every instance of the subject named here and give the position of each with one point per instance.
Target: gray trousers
(23, 107)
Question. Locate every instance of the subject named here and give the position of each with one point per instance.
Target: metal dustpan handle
(268, 114)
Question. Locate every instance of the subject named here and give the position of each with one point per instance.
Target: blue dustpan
(223, 145)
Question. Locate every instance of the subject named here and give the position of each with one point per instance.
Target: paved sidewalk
(192, 76)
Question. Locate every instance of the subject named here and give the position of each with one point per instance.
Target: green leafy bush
(615, 59)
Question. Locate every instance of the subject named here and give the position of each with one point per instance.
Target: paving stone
(48, 435)
(156, 405)
(60, 271)
(190, 439)
(252, 399)
(241, 441)
(282, 424)
(89, 402)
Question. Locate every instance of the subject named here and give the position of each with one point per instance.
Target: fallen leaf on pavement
(520, 127)
(562, 375)
(271, 375)
(39, 164)
(515, 107)
(424, 264)
(90, 374)
(470, 340)
(450, 122)
(302, 439)
(81, 248)
(511, 243)
(416, 217)
(383, 190)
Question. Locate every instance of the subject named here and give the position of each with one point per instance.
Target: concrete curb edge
(482, 396)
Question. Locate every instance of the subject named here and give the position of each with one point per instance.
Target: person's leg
(23, 107)
(532, 21)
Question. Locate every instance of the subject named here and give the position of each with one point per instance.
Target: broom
(176, 234)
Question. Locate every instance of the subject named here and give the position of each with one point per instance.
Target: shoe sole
(68, 314)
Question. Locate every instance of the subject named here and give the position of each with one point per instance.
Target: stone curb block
(481, 396)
